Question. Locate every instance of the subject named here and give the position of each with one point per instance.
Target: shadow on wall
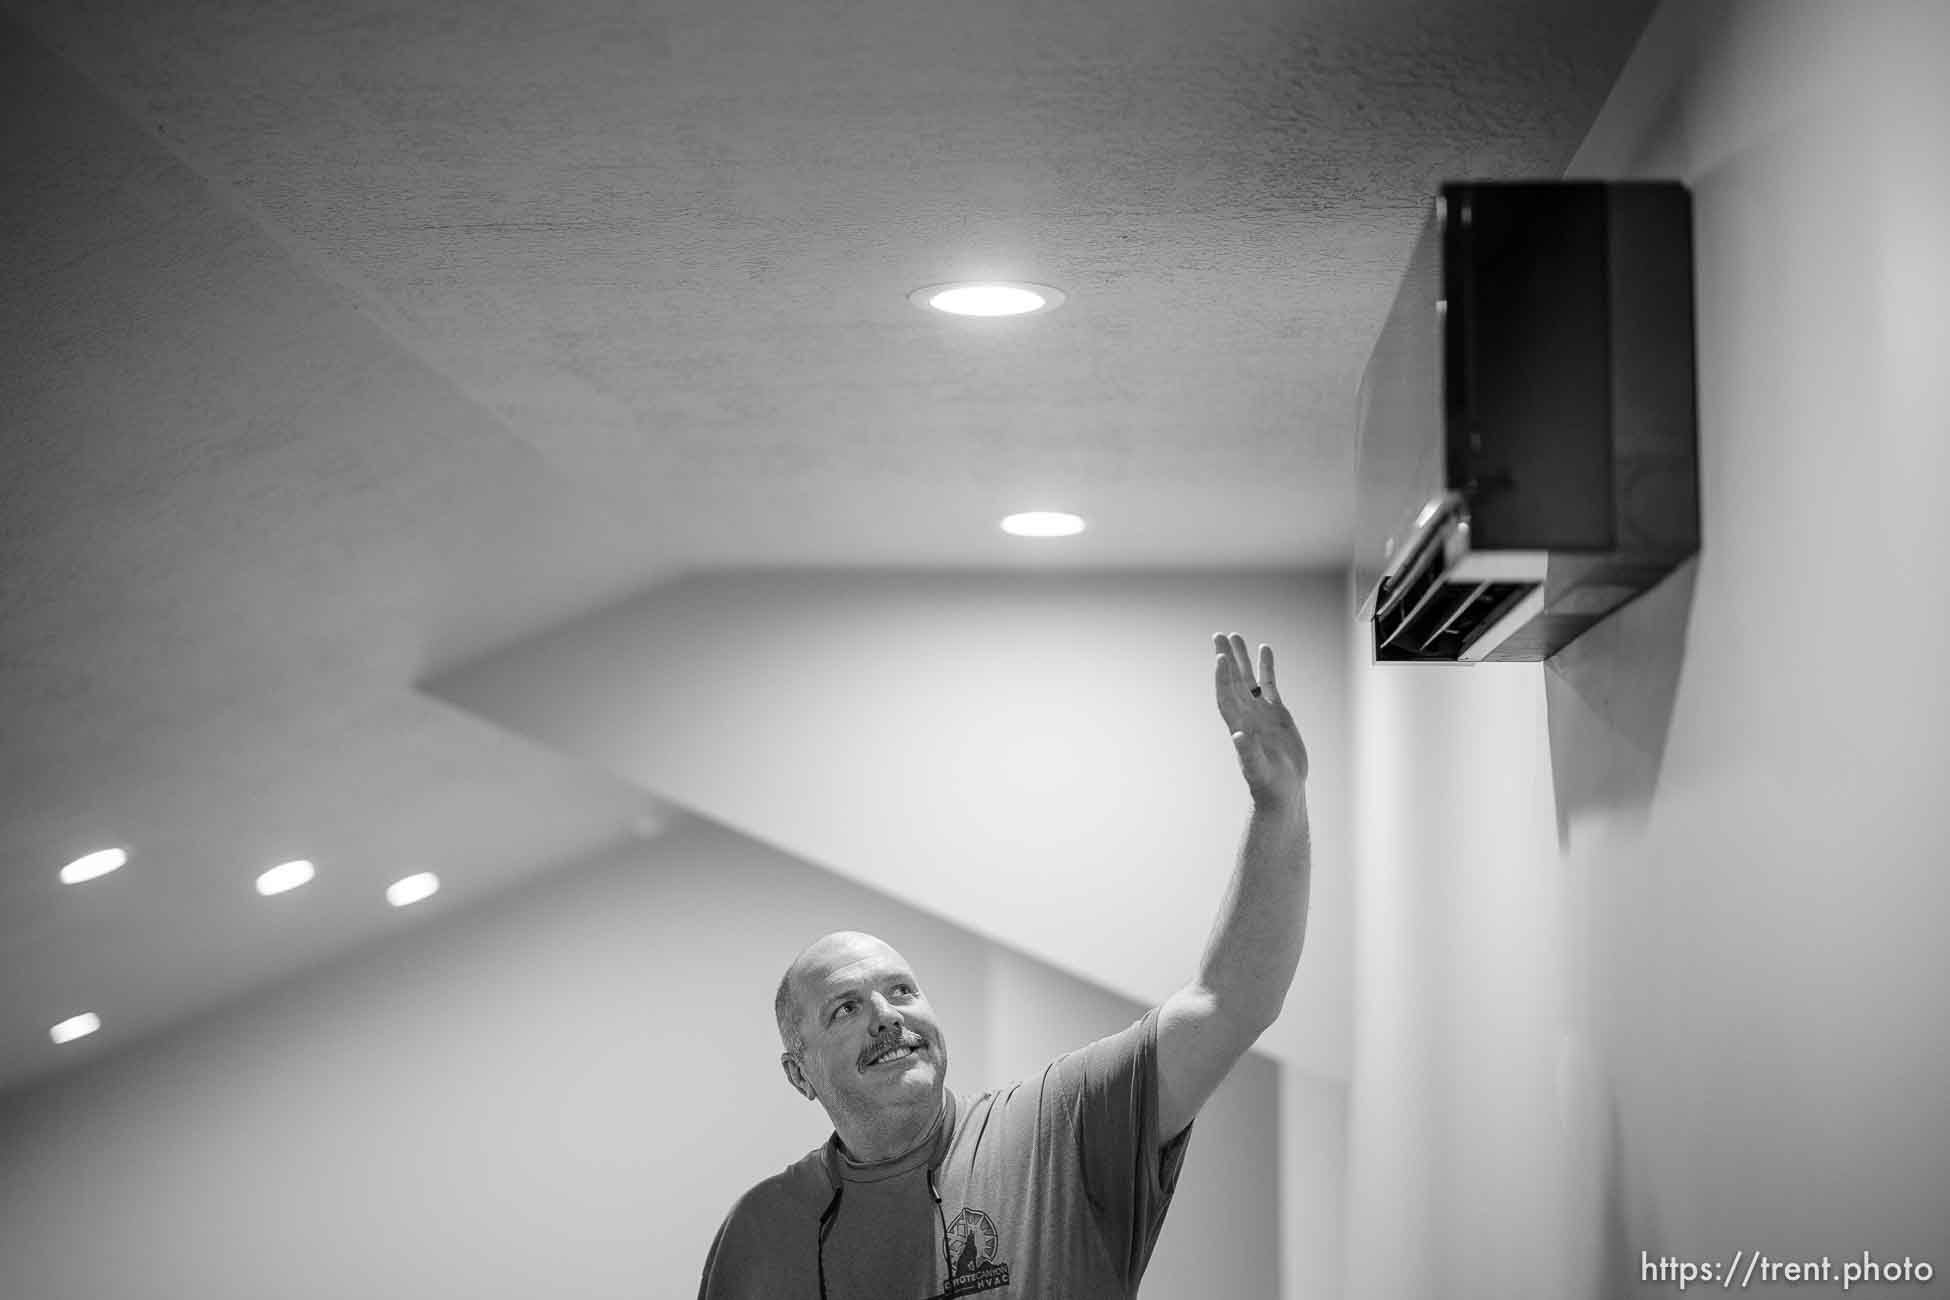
(1624, 1226)
(1609, 699)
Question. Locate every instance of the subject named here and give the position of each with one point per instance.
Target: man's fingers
(1237, 666)
(1233, 676)
(1241, 674)
(1225, 678)
(1245, 664)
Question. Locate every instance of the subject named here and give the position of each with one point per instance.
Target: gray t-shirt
(1049, 1189)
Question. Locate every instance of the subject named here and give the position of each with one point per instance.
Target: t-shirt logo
(972, 1244)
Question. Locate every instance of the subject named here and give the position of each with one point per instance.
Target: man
(1054, 1188)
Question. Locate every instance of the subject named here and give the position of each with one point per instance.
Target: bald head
(827, 953)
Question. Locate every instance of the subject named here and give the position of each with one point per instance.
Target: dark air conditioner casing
(1529, 445)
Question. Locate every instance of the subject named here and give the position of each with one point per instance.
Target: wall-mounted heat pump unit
(1529, 446)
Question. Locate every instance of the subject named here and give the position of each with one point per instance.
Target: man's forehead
(834, 966)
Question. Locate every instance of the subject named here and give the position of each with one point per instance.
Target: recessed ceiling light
(287, 875)
(1043, 523)
(75, 1027)
(403, 893)
(989, 298)
(95, 864)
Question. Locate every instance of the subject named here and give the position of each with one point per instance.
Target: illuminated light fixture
(75, 1027)
(989, 298)
(286, 875)
(1043, 523)
(406, 892)
(95, 864)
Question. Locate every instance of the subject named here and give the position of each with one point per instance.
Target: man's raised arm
(1254, 949)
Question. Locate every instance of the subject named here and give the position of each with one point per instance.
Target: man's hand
(1271, 754)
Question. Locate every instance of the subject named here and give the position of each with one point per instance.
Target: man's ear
(795, 1076)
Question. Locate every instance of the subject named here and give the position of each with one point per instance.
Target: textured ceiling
(346, 342)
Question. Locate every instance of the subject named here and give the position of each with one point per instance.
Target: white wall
(1651, 940)
(559, 1093)
(1036, 755)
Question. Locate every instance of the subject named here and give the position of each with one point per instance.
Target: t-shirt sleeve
(719, 1272)
(1129, 1176)
(710, 1263)
(742, 1263)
